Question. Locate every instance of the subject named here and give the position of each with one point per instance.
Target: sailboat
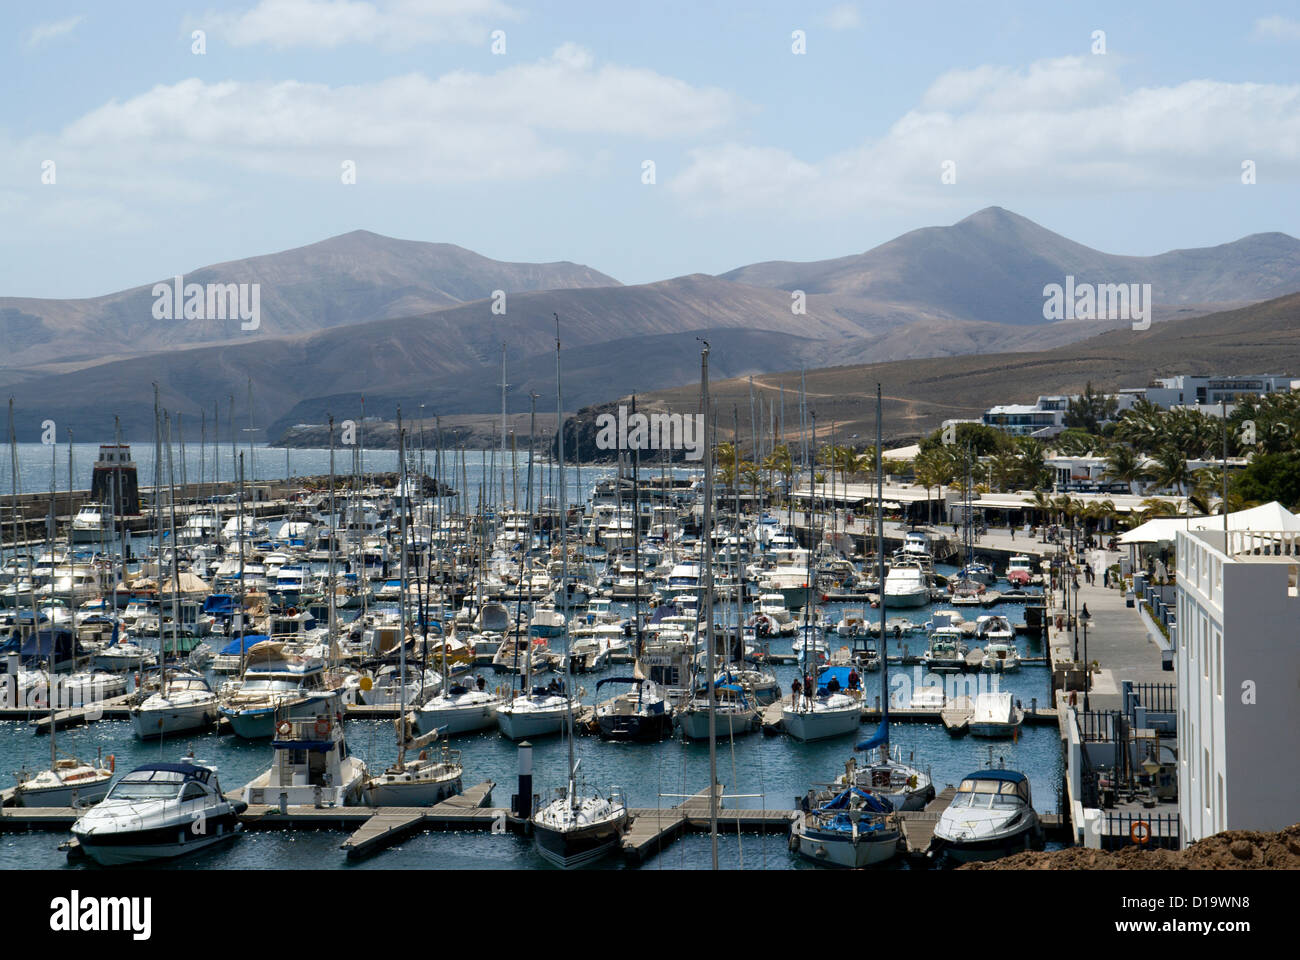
(68, 782)
(822, 714)
(573, 829)
(884, 773)
(425, 780)
(851, 829)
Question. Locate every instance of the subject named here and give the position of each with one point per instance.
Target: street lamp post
(1087, 671)
(1075, 583)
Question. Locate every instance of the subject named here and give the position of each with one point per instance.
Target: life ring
(322, 725)
(1145, 832)
(285, 728)
(112, 763)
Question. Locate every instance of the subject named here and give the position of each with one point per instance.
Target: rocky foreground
(1232, 850)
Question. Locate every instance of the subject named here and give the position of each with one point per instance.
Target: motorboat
(979, 571)
(851, 829)
(947, 649)
(996, 715)
(185, 702)
(158, 811)
(310, 765)
(991, 815)
(277, 687)
(1019, 570)
(906, 585)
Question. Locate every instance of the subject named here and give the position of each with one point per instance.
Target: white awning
(1269, 516)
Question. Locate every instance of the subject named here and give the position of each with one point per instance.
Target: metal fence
(1096, 726)
(1149, 830)
(1156, 697)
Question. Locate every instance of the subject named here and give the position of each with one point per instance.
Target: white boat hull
(520, 725)
(809, 725)
(173, 719)
(846, 853)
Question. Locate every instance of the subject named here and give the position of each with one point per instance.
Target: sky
(145, 139)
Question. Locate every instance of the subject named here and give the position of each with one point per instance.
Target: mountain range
(410, 323)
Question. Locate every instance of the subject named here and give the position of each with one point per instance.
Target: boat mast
(176, 567)
(808, 563)
(333, 542)
(564, 565)
(880, 558)
(401, 603)
(708, 600)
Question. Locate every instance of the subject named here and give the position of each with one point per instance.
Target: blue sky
(165, 160)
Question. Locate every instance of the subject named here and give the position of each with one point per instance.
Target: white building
(1212, 391)
(1238, 669)
(1045, 417)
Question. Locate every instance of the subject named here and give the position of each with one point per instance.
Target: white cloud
(1277, 28)
(1054, 127)
(53, 28)
(845, 16)
(521, 123)
(325, 24)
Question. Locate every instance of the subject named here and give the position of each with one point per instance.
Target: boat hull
(258, 723)
(573, 848)
(158, 843)
(175, 719)
(835, 849)
(520, 725)
(636, 728)
(695, 724)
(809, 725)
(456, 720)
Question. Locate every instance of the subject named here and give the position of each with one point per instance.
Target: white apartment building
(1207, 392)
(1238, 673)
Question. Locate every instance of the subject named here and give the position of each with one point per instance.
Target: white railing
(1264, 543)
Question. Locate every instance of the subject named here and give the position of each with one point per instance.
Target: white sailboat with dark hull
(425, 780)
(573, 829)
(884, 772)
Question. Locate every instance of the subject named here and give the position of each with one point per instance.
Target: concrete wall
(1238, 674)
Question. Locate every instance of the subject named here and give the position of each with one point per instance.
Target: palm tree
(1171, 468)
(1125, 465)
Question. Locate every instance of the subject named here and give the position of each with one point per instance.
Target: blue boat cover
(870, 801)
(242, 644)
(839, 673)
(1011, 775)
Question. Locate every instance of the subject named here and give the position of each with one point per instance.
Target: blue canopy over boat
(841, 675)
(242, 644)
(1011, 775)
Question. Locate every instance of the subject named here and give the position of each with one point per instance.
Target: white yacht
(310, 766)
(151, 814)
(991, 815)
(906, 585)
